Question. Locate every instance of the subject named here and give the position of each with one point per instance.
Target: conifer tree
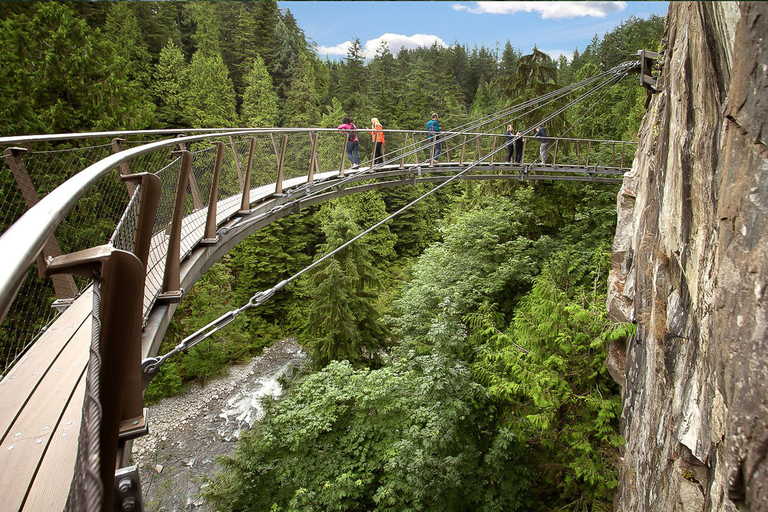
(266, 15)
(260, 103)
(302, 105)
(285, 60)
(127, 39)
(170, 86)
(383, 86)
(207, 33)
(353, 79)
(211, 100)
(65, 78)
(342, 322)
(509, 58)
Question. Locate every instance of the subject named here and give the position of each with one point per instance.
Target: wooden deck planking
(23, 449)
(44, 357)
(53, 480)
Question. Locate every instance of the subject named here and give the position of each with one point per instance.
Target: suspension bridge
(129, 220)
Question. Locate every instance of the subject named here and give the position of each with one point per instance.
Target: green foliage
(487, 254)
(302, 101)
(65, 78)
(341, 321)
(167, 382)
(260, 102)
(410, 436)
(170, 86)
(547, 372)
(212, 296)
(211, 97)
(366, 209)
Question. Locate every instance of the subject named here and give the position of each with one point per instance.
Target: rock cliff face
(690, 267)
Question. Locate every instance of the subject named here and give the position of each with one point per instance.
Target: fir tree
(170, 86)
(302, 105)
(260, 103)
(211, 99)
(342, 322)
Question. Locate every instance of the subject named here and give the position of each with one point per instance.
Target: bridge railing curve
(144, 204)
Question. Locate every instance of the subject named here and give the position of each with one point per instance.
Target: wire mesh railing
(108, 210)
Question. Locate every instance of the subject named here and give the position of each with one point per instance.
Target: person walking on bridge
(518, 147)
(510, 143)
(377, 134)
(349, 128)
(541, 133)
(433, 132)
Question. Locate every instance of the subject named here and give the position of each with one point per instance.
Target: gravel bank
(188, 431)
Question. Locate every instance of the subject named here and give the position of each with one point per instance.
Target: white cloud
(395, 42)
(398, 41)
(339, 49)
(548, 10)
(555, 54)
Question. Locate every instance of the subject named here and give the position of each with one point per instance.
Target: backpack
(352, 132)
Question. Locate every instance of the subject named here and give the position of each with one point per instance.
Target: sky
(556, 28)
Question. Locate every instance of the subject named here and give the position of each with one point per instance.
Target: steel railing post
(554, 153)
(343, 154)
(463, 148)
(117, 346)
(210, 223)
(245, 203)
(589, 147)
(405, 149)
(239, 167)
(493, 149)
(312, 158)
(280, 163)
(171, 290)
(123, 166)
(64, 286)
(197, 197)
(145, 219)
(621, 164)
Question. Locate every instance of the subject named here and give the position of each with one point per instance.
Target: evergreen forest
(457, 353)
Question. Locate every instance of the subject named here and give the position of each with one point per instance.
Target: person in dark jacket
(510, 143)
(348, 127)
(518, 147)
(433, 135)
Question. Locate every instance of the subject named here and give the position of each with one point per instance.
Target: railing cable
(151, 365)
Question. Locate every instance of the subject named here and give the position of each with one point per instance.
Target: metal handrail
(24, 239)
(23, 139)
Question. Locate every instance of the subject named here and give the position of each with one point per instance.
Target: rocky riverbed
(188, 431)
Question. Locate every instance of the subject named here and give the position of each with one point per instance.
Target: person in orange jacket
(377, 134)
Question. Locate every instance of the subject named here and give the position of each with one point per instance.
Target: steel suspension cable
(552, 97)
(151, 365)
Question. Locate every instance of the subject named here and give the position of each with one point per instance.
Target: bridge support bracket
(647, 79)
(61, 305)
(172, 297)
(210, 241)
(134, 427)
(127, 490)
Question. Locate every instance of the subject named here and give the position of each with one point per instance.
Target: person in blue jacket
(433, 129)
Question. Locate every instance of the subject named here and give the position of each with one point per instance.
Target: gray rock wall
(690, 267)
